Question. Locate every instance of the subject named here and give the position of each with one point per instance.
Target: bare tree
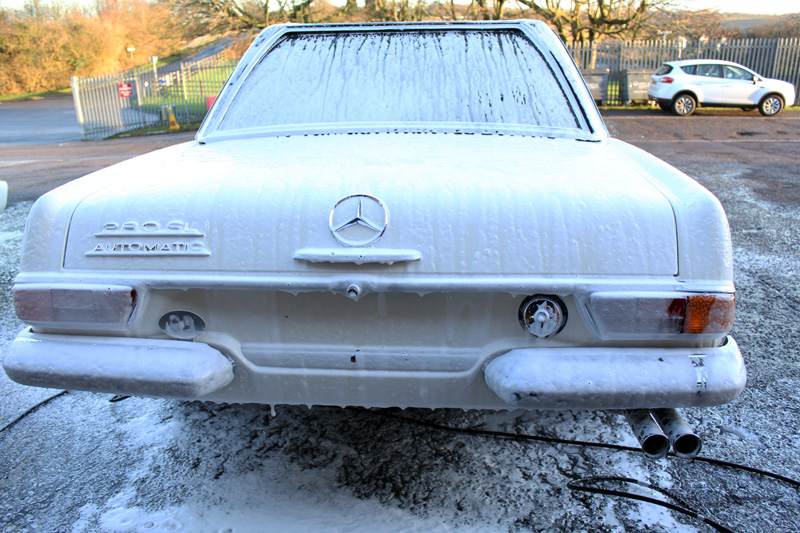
(588, 20)
(395, 10)
(691, 25)
(201, 16)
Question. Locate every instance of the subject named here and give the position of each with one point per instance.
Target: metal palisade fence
(149, 96)
(608, 65)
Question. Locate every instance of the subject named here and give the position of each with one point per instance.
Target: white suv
(684, 85)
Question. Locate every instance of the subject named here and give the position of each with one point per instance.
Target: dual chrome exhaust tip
(659, 429)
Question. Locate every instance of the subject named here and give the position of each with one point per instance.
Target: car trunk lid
(454, 205)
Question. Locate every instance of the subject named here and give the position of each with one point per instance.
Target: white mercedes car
(682, 86)
(428, 215)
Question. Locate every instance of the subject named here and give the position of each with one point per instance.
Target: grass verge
(33, 96)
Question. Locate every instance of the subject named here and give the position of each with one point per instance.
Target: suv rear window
(663, 69)
(689, 69)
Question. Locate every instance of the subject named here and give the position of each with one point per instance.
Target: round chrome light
(183, 325)
(542, 316)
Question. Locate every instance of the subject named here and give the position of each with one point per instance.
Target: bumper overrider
(546, 378)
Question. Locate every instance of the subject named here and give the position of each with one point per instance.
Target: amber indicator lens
(709, 313)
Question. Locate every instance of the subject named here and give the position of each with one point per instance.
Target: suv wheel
(770, 105)
(684, 105)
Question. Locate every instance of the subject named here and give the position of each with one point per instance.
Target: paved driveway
(48, 120)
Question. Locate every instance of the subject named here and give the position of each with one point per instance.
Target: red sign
(125, 90)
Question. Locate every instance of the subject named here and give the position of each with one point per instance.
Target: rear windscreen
(448, 76)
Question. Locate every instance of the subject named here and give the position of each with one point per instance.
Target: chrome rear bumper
(529, 378)
(141, 367)
(618, 378)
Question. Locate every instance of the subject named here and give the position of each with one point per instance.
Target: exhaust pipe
(654, 442)
(685, 443)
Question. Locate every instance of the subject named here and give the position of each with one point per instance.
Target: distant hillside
(745, 22)
(740, 25)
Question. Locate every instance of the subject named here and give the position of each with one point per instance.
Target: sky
(760, 7)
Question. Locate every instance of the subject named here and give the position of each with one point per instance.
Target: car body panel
(259, 217)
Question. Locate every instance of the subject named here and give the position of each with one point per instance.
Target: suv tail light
(661, 316)
(666, 79)
(81, 306)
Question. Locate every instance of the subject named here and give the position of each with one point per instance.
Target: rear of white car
(682, 86)
(383, 216)
(641, 286)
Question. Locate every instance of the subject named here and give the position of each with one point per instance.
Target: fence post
(183, 83)
(137, 84)
(75, 82)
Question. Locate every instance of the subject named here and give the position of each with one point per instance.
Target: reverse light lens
(651, 316)
(542, 316)
(87, 306)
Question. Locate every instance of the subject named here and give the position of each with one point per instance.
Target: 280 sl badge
(150, 238)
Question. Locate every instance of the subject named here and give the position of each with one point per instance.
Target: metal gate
(148, 96)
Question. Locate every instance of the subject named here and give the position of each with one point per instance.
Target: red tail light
(666, 79)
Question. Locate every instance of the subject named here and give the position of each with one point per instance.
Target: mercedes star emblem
(358, 220)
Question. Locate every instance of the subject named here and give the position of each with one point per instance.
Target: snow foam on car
(463, 205)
